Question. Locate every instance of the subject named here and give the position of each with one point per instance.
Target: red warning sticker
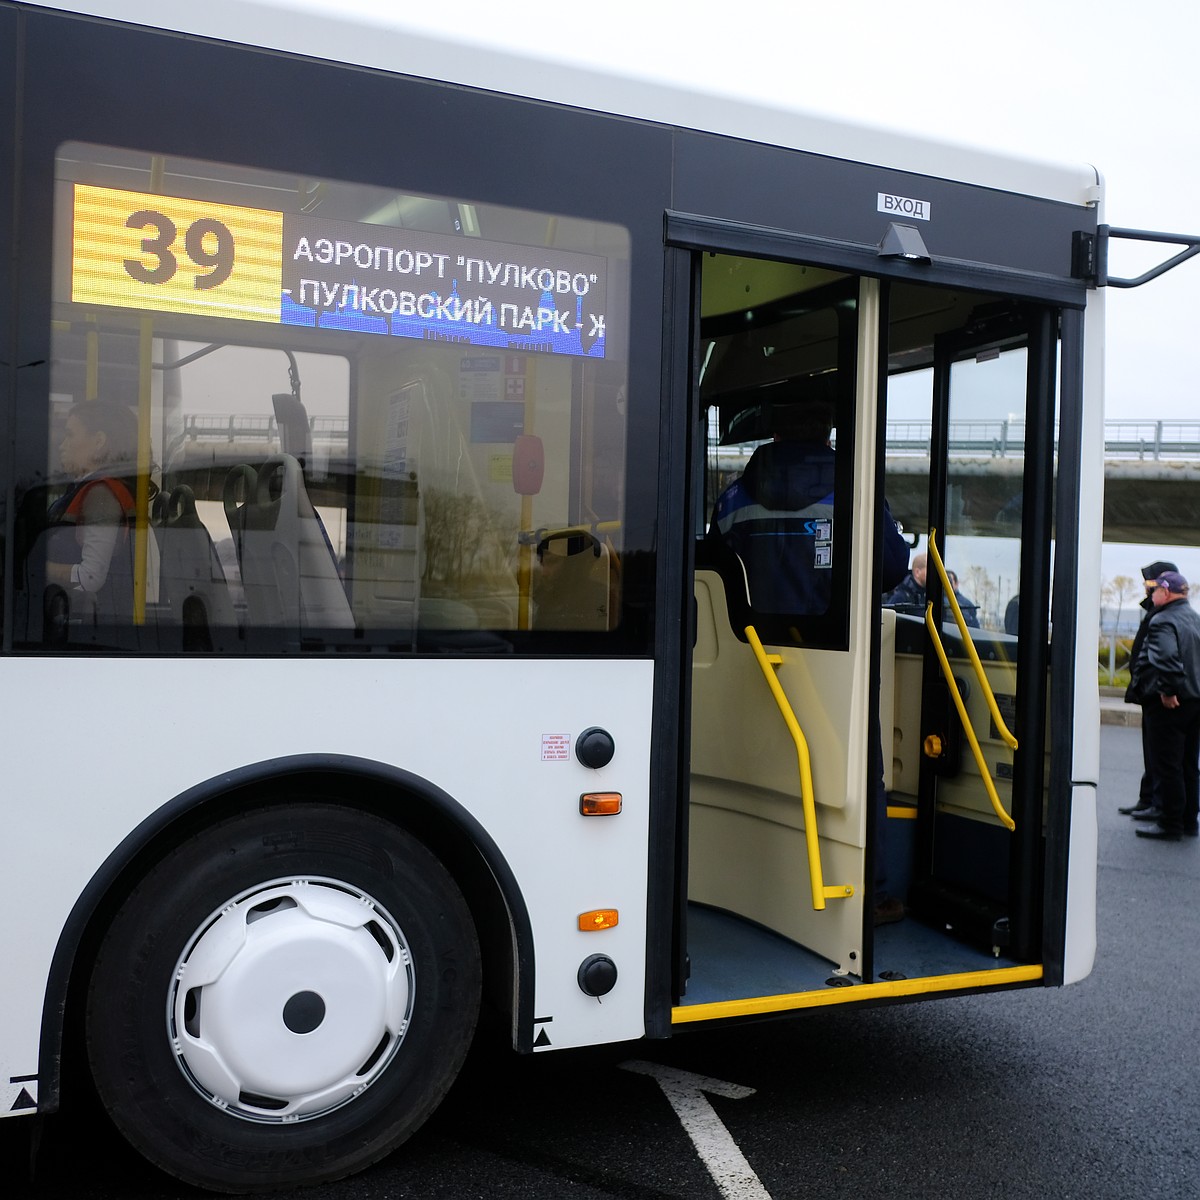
(556, 747)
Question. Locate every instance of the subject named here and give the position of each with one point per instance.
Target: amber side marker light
(598, 918)
(600, 804)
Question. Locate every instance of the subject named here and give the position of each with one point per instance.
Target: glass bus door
(976, 758)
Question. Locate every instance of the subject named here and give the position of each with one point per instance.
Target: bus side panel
(502, 761)
(17, 1094)
(1080, 943)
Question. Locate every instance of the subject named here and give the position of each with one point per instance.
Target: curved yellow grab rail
(972, 653)
(931, 625)
(936, 637)
(820, 893)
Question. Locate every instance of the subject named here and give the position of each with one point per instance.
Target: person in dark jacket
(1170, 671)
(778, 518)
(909, 594)
(1145, 800)
(967, 606)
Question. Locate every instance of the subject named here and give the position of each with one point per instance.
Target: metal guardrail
(1152, 440)
(222, 427)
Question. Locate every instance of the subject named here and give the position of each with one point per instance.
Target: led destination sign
(171, 254)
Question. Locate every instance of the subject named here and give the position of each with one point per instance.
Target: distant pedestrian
(967, 606)
(1171, 671)
(1012, 615)
(1145, 800)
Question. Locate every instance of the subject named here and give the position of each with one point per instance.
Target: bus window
(351, 417)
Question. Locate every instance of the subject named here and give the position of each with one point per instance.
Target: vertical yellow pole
(91, 380)
(141, 529)
(525, 568)
(525, 552)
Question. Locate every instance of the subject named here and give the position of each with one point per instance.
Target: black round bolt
(597, 975)
(595, 747)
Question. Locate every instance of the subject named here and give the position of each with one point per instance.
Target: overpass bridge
(1151, 476)
(1151, 470)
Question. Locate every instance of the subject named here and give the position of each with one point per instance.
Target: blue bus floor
(735, 959)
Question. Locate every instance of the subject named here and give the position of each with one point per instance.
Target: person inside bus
(778, 515)
(90, 548)
(771, 514)
(770, 518)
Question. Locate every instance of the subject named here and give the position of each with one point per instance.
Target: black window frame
(157, 92)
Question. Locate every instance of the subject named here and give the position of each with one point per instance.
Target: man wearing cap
(1172, 672)
(1145, 800)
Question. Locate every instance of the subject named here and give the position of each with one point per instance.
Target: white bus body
(429, 350)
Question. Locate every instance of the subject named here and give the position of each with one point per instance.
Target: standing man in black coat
(1145, 800)
(1172, 673)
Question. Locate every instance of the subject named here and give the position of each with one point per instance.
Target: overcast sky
(1107, 83)
(1116, 85)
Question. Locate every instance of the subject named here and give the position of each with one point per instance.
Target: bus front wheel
(283, 999)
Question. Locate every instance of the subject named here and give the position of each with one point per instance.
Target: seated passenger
(89, 549)
(778, 516)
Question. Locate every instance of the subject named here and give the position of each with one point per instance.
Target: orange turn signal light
(598, 918)
(600, 804)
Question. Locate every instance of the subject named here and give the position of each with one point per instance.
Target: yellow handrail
(820, 893)
(952, 687)
(972, 653)
(931, 625)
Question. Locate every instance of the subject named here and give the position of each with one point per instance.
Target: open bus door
(780, 675)
(785, 841)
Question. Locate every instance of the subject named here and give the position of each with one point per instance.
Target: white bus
(377, 667)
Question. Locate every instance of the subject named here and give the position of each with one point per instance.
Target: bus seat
(289, 573)
(572, 587)
(192, 580)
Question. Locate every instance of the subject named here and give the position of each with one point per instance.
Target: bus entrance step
(973, 918)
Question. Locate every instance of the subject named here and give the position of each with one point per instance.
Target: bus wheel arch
(365, 793)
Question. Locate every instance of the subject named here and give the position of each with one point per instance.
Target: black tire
(285, 884)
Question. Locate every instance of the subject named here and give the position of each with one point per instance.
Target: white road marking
(732, 1174)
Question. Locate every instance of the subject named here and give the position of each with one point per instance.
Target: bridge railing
(231, 427)
(1123, 438)
(1126, 438)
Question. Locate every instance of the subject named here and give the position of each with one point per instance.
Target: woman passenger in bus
(89, 552)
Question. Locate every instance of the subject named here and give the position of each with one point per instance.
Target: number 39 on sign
(168, 254)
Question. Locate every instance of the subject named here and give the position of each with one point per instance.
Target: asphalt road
(1087, 1091)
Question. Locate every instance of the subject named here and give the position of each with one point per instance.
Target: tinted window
(293, 413)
